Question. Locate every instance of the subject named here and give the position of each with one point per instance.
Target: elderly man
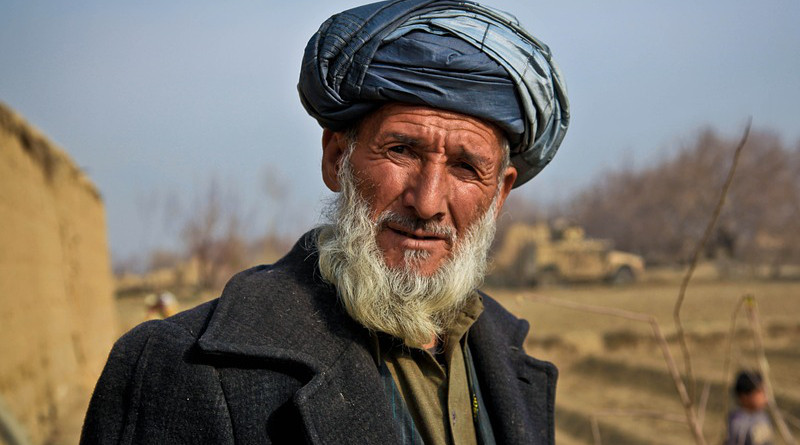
(371, 329)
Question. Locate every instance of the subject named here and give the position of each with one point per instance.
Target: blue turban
(453, 55)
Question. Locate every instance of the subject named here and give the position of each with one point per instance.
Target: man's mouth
(417, 234)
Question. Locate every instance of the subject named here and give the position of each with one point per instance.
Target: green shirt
(434, 386)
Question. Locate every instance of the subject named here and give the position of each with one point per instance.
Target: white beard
(398, 301)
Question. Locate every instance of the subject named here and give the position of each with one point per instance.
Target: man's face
(436, 171)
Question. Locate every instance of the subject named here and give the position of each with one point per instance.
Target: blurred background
(151, 150)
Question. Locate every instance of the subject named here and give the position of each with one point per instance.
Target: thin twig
(622, 313)
(792, 419)
(691, 415)
(695, 257)
(752, 316)
(729, 353)
(11, 431)
(701, 407)
(688, 406)
(658, 415)
(667, 417)
(596, 431)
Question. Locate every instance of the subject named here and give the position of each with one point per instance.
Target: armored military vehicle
(546, 253)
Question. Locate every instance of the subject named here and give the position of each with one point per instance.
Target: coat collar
(286, 312)
(519, 390)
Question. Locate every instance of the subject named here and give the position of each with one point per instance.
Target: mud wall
(57, 314)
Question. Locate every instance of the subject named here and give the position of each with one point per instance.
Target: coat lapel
(519, 391)
(286, 313)
(346, 404)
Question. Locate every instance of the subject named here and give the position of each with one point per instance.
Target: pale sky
(155, 98)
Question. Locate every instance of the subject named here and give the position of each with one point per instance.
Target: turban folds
(453, 55)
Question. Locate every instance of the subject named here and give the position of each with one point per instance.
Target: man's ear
(505, 188)
(333, 147)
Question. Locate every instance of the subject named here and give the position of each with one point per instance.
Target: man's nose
(426, 193)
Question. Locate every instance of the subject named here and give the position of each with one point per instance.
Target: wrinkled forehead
(433, 129)
(426, 120)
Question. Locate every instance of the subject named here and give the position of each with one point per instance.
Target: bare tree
(661, 211)
(214, 235)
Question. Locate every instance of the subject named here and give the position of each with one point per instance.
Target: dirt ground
(611, 370)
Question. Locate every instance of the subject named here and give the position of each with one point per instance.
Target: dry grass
(611, 364)
(708, 305)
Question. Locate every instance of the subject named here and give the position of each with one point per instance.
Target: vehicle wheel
(624, 275)
(526, 266)
(548, 277)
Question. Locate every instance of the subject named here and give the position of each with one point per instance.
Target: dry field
(612, 370)
(610, 367)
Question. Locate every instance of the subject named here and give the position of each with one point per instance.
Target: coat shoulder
(149, 378)
(189, 323)
(501, 323)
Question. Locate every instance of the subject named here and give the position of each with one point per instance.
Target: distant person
(161, 305)
(372, 330)
(749, 424)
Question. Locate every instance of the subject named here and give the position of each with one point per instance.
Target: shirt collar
(381, 342)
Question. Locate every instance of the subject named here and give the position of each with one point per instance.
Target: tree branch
(691, 383)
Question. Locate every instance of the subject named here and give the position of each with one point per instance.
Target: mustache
(412, 223)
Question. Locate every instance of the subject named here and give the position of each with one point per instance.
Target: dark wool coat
(277, 360)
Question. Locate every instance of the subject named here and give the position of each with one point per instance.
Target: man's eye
(466, 167)
(400, 149)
